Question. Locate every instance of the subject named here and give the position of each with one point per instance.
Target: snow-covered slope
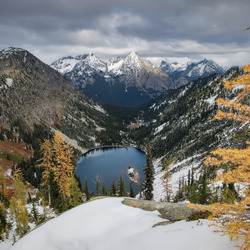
(191, 70)
(65, 64)
(107, 224)
(83, 64)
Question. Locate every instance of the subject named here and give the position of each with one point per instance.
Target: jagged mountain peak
(132, 78)
(133, 60)
(19, 54)
(191, 70)
(12, 50)
(133, 53)
(95, 62)
(133, 56)
(83, 62)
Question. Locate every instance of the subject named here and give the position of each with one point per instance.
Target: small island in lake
(133, 175)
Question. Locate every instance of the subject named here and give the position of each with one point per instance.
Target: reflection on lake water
(109, 164)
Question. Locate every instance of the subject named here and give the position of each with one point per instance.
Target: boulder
(167, 210)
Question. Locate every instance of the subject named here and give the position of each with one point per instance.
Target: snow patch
(99, 108)
(107, 224)
(211, 100)
(158, 192)
(160, 128)
(183, 167)
(9, 82)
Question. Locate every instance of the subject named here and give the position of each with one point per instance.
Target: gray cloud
(155, 28)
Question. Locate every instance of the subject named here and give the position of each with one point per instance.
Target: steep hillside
(126, 81)
(32, 92)
(179, 129)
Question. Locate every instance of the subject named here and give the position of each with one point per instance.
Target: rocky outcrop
(169, 211)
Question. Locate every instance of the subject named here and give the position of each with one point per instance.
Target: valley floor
(107, 224)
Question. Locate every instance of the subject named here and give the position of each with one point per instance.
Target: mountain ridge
(192, 70)
(32, 93)
(133, 77)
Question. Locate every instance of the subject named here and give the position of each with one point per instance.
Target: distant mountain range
(192, 70)
(127, 81)
(131, 80)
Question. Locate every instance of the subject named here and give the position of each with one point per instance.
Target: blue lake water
(110, 163)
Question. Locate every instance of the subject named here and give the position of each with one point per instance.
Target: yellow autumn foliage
(57, 159)
(233, 219)
(46, 161)
(63, 168)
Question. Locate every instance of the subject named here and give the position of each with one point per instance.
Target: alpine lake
(108, 164)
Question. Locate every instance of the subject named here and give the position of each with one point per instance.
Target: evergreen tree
(121, 187)
(131, 190)
(113, 189)
(34, 214)
(104, 190)
(204, 192)
(75, 193)
(3, 222)
(193, 193)
(148, 171)
(86, 190)
(192, 177)
(3, 189)
(228, 194)
(189, 178)
(98, 181)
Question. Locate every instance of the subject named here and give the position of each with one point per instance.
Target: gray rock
(169, 211)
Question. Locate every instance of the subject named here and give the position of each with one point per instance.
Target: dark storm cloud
(154, 27)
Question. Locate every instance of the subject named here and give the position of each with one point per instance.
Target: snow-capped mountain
(127, 81)
(192, 70)
(88, 63)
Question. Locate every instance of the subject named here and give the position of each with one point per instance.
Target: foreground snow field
(107, 224)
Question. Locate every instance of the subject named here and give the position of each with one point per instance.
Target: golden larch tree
(63, 169)
(233, 219)
(18, 202)
(47, 163)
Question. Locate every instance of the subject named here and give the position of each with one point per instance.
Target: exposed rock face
(169, 211)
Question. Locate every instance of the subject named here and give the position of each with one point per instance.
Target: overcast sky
(156, 29)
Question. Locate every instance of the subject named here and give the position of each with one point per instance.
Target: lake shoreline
(109, 147)
(109, 163)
